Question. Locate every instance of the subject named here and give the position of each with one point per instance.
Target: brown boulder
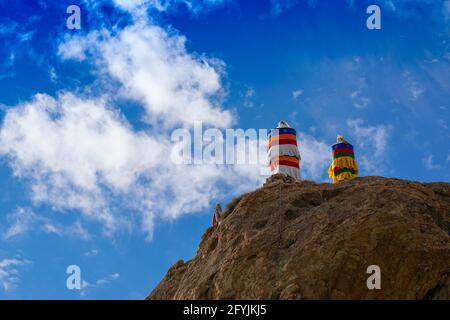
(306, 240)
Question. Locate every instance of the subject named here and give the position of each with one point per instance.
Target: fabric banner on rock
(283, 154)
(343, 165)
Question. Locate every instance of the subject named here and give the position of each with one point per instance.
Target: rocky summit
(304, 240)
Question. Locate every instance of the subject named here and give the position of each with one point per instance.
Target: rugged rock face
(303, 240)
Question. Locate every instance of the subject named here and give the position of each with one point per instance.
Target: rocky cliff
(305, 240)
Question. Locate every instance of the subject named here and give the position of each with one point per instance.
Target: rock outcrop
(305, 240)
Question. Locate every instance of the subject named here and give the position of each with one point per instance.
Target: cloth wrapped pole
(283, 154)
(344, 165)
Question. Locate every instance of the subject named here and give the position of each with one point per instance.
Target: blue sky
(86, 118)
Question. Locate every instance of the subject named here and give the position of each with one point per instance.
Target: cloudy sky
(87, 116)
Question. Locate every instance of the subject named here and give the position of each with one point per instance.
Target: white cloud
(81, 154)
(72, 149)
(75, 47)
(163, 5)
(248, 98)
(408, 8)
(278, 6)
(373, 136)
(429, 164)
(100, 283)
(315, 157)
(296, 94)
(91, 253)
(24, 220)
(372, 142)
(359, 101)
(446, 10)
(52, 75)
(26, 36)
(107, 279)
(416, 90)
(153, 66)
(133, 4)
(390, 4)
(9, 272)
(442, 123)
(8, 28)
(77, 230)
